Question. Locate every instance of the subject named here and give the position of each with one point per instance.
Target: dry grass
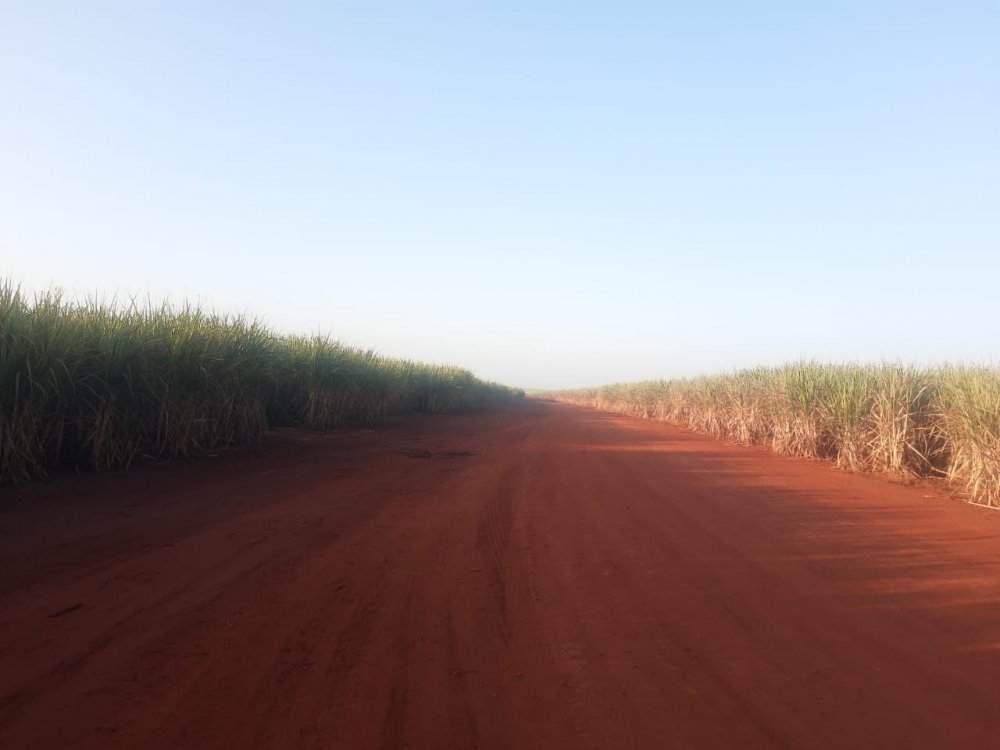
(886, 419)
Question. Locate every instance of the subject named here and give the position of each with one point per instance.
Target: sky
(551, 194)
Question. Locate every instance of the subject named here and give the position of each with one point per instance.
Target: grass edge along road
(889, 419)
(96, 386)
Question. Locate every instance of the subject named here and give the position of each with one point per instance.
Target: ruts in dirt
(537, 577)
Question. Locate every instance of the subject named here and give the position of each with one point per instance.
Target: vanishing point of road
(534, 577)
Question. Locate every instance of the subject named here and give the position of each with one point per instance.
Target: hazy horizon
(552, 198)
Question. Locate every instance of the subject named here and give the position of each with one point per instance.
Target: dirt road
(542, 577)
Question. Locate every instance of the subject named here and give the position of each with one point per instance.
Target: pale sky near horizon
(551, 194)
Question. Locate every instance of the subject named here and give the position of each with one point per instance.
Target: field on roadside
(886, 419)
(95, 386)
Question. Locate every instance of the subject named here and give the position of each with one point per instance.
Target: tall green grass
(887, 419)
(96, 386)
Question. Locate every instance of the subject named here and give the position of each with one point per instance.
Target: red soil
(543, 577)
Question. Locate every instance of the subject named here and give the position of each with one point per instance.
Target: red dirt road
(541, 577)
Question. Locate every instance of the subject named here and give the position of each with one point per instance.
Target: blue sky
(552, 194)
